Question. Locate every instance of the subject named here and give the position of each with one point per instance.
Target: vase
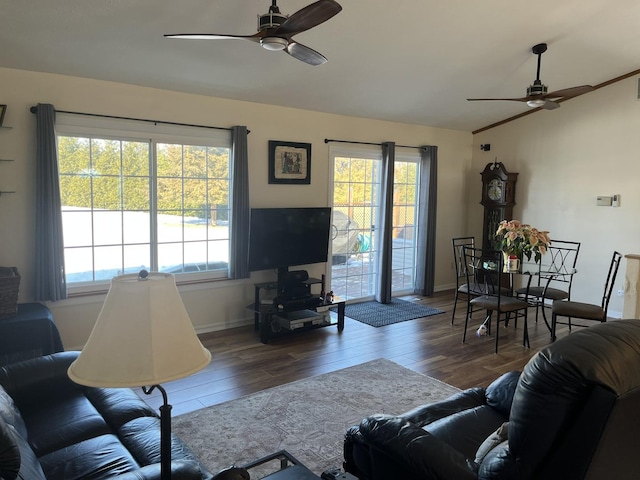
(511, 262)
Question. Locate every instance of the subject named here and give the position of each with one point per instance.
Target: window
(133, 201)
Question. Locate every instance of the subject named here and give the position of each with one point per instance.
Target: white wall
(216, 305)
(566, 157)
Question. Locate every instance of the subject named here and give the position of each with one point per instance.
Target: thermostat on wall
(603, 201)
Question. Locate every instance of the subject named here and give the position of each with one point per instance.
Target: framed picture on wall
(289, 162)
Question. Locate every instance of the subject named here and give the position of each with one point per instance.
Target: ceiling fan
(276, 31)
(537, 95)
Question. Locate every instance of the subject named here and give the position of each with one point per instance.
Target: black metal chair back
(485, 276)
(611, 279)
(562, 256)
(586, 311)
(461, 270)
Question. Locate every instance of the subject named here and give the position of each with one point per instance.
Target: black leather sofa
(573, 413)
(52, 428)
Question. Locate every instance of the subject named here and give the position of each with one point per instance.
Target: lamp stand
(165, 432)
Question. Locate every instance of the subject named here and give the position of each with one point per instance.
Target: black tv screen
(283, 237)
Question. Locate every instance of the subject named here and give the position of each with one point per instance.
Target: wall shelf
(2, 192)
(4, 127)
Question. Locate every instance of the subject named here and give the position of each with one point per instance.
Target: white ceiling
(407, 61)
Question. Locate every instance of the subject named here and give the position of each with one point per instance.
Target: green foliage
(115, 175)
(355, 189)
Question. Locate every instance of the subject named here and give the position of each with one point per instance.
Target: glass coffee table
(290, 467)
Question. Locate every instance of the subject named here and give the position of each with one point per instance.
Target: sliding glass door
(356, 208)
(356, 187)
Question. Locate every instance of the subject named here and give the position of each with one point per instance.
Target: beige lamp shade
(143, 336)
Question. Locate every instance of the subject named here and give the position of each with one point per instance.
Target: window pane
(105, 156)
(73, 155)
(107, 262)
(170, 257)
(135, 159)
(135, 193)
(107, 228)
(194, 193)
(136, 258)
(78, 264)
(195, 161)
(170, 228)
(219, 251)
(77, 228)
(136, 227)
(170, 194)
(106, 191)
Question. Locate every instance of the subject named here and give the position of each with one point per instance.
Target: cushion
(465, 431)
(492, 441)
(500, 393)
(10, 414)
(96, 458)
(17, 460)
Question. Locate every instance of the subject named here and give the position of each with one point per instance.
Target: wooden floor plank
(242, 365)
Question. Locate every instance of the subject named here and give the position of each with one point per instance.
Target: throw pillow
(492, 441)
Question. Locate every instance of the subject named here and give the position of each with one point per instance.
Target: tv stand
(294, 315)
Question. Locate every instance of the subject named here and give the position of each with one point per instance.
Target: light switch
(615, 200)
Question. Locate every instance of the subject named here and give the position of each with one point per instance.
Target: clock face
(494, 190)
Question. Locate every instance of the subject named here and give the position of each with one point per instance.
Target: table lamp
(143, 337)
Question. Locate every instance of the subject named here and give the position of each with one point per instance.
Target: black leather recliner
(54, 429)
(573, 413)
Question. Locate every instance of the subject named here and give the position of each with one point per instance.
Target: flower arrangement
(516, 238)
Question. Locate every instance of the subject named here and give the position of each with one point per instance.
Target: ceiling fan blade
(569, 92)
(523, 99)
(308, 17)
(305, 54)
(209, 36)
(549, 105)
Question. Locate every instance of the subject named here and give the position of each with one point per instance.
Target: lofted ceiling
(412, 61)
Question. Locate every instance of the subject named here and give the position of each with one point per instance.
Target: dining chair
(561, 259)
(484, 274)
(586, 311)
(461, 271)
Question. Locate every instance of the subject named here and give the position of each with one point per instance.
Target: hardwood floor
(242, 365)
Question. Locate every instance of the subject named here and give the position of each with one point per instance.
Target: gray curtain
(49, 269)
(239, 221)
(426, 256)
(385, 236)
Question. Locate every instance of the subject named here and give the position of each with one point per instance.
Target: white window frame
(153, 133)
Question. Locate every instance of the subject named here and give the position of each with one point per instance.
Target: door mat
(381, 314)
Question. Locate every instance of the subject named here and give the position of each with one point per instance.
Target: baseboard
(216, 327)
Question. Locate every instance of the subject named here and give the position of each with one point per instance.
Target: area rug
(381, 314)
(307, 418)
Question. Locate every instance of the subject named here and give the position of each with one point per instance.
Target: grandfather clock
(498, 199)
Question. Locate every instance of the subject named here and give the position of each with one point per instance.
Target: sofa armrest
(37, 378)
(179, 471)
(465, 400)
(425, 456)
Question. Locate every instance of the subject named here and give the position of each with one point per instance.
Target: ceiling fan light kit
(537, 93)
(274, 43)
(536, 103)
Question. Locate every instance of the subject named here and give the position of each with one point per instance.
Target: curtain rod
(327, 140)
(34, 109)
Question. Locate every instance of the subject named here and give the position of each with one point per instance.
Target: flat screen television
(283, 237)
